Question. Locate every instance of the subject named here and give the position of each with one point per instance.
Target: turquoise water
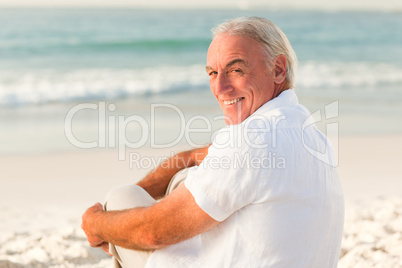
(52, 59)
(64, 55)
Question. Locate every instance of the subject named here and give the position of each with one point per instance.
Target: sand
(43, 197)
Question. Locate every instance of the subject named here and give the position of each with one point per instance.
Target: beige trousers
(131, 196)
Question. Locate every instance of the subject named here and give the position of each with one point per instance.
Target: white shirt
(279, 204)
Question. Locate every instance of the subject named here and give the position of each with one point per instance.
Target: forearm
(126, 228)
(176, 218)
(156, 182)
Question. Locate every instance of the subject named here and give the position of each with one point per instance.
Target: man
(258, 198)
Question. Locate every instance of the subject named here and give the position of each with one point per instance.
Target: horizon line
(237, 8)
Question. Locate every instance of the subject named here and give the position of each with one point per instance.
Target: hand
(89, 227)
(105, 248)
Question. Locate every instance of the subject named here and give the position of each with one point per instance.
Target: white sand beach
(43, 197)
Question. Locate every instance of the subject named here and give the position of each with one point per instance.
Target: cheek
(247, 105)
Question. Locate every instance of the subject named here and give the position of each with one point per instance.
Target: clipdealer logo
(331, 111)
(112, 128)
(112, 132)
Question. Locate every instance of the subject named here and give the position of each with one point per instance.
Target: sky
(386, 5)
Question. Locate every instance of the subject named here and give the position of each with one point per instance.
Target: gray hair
(266, 33)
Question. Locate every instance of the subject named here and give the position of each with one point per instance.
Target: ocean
(127, 60)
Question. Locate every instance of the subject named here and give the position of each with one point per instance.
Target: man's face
(239, 77)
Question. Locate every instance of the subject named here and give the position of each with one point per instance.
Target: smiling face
(239, 77)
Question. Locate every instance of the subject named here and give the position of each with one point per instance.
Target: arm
(156, 182)
(174, 219)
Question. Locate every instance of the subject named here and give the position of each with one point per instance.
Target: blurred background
(54, 56)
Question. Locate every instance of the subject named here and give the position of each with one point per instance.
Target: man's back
(279, 206)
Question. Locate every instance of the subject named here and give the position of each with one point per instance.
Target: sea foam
(19, 87)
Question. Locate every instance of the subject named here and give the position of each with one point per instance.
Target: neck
(279, 89)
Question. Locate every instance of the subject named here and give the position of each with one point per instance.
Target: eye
(212, 73)
(236, 71)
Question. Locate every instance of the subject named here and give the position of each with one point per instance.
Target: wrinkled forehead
(224, 47)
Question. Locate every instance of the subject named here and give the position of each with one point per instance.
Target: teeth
(232, 101)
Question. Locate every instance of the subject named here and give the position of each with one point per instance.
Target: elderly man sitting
(247, 211)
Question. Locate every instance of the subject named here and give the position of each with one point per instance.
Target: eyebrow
(233, 62)
(229, 64)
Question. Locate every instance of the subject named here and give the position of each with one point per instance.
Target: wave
(95, 46)
(340, 75)
(42, 86)
(20, 87)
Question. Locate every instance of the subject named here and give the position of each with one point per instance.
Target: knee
(127, 196)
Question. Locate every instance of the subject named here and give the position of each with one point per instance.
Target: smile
(228, 102)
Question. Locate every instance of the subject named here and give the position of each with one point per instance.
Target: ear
(280, 69)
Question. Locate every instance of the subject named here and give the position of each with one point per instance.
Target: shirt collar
(285, 99)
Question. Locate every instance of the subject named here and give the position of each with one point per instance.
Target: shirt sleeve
(224, 182)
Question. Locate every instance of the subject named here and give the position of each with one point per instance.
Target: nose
(221, 84)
